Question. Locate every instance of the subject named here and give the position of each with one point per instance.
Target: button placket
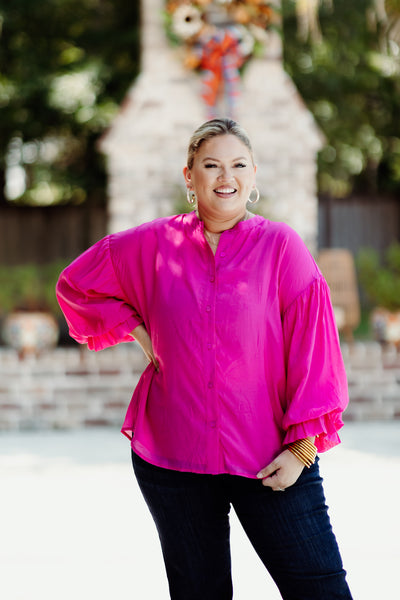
(211, 279)
(209, 375)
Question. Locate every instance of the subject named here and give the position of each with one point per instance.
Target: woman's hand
(142, 337)
(283, 472)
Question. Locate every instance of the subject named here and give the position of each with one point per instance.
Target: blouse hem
(164, 465)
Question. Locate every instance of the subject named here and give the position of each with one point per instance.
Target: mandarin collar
(198, 224)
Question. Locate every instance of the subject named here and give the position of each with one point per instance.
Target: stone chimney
(146, 144)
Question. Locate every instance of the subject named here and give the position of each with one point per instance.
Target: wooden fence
(358, 222)
(41, 235)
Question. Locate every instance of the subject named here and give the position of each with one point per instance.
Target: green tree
(350, 81)
(65, 66)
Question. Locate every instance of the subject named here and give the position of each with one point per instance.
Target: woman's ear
(254, 182)
(187, 176)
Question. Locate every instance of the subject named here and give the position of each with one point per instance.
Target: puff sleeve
(95, 306)
(316, 389)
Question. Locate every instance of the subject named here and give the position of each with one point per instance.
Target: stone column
(146, 145)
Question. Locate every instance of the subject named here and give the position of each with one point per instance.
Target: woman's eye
(236, 165)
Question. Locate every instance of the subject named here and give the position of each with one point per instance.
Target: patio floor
(74, 525)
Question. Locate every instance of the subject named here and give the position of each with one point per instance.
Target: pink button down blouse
(246, 340)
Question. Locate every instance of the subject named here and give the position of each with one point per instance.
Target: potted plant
(380, 279)
(29, 307)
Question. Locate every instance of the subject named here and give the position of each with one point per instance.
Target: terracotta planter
(386, 325)
(30, 332)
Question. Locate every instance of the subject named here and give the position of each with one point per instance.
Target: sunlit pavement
(74, 526)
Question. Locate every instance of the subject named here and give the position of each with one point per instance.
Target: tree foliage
(350, 81)
(65, 66)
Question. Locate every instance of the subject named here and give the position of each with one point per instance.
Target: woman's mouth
(225, 191)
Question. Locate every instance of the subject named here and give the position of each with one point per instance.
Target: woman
(245, 380)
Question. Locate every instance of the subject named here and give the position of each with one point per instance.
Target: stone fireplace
(146, 144)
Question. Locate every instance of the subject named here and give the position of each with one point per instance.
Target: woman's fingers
(142, 337)
(275, 482)
(268, 470)
(153, 359)
(283, 472)
(270, 476)
(149, 354)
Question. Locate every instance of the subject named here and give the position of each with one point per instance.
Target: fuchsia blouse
(246, 340)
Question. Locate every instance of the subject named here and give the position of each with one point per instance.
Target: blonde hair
(211, 129)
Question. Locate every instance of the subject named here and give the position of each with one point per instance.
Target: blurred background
(98, 99)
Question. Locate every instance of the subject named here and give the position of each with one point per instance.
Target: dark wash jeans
(289, 530)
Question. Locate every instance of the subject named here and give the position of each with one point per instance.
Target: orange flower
(241, 15)
(191, 60)
(172, 6)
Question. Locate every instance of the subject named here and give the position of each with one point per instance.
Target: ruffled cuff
(119, 333)
(324, 428)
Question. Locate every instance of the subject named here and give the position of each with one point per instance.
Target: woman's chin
(232, 206)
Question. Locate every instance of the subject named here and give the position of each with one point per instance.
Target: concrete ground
(73, 524)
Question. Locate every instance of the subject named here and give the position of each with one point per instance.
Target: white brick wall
(373, 373)
(73, 387)
(68, 388)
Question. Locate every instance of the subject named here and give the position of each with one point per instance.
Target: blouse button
(223, 254)
(208, 308)
(212, 279)
(209, 346)
(213, 424)
(210, 385)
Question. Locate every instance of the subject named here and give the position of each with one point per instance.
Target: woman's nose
(225, 174)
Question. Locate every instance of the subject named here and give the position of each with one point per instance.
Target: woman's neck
(219, 225)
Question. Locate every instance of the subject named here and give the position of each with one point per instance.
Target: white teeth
(225, 190)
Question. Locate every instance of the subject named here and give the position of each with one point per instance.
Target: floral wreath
(250, 19)
(218, 37)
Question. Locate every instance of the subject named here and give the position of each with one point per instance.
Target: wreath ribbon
(220, 61)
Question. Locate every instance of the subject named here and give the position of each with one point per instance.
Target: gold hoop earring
(256, 198)
(190, 196)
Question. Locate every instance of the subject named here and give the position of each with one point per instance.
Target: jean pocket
(310, 474)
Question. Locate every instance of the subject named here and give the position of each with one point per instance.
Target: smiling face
(222, 177)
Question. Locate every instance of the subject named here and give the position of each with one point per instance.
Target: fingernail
(260, 475)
